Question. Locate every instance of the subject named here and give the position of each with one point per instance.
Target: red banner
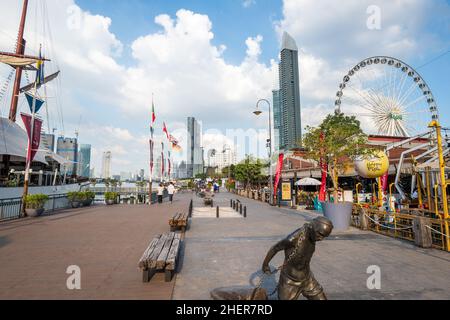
(33, 146)
(324, 168)
(278, 173)
(384, 181)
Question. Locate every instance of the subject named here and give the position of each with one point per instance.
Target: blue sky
(232, 22)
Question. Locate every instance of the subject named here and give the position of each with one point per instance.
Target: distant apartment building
(84, 161)
(67, 148)
(223, 158)
(106, 165)
(48, 142)
(125, 176)
(195, 159)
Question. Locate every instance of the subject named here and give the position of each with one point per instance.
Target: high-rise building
(291, 126)
(223, 158)
(195, 159)
(84, 161)
(68, 149)
(106, 167)
(182, 170)
(277, 119)
(48, 142)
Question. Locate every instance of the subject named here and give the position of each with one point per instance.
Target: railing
(400, 225)
(11, 209)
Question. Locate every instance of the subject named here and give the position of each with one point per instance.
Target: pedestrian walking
(171, 191)
(160, 193)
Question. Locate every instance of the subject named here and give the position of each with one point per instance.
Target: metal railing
(11, 209)
(399, 225)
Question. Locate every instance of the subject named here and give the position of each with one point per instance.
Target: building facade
(85, 161)
(290, 111)
(48, 142)
(276, 119)
(106, 165)
(195, 159)
(223, 158)
(67, 148)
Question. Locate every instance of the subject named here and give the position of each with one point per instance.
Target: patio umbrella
(308, 182)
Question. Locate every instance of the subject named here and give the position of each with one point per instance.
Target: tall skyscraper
(291, 126)
(195, 159)
(68, 149)
(106, 167)
(277, 119)
(85, 161)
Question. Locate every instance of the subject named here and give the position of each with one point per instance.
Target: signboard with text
(286, 191)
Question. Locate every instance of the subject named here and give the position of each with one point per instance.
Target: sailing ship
(27, 157)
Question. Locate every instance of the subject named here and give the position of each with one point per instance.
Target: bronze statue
(296, 277)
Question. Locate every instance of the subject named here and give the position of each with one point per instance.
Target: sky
(212, 60)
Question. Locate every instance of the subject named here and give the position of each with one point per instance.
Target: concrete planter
(340, 214)
(34, 212)
(75, 204)
(87, 203)
(110, 202)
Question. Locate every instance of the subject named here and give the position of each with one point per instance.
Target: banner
(34, 139)
(163, 169)
(324, 169)
(278, 173)
(152, 161)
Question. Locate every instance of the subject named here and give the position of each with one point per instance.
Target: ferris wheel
(388, 96)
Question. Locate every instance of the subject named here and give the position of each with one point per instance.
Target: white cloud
(248, 3)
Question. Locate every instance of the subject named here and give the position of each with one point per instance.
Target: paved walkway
(229, 252)
(105, 242)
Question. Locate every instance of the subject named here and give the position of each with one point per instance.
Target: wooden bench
(161, 256)
(179, 222)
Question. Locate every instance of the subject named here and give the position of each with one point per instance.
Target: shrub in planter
(86, 197)
(74, 199)
(110, 198)
(34, 204)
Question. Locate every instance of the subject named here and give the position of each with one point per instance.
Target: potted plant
(336, 142)
(110, 198)
(74, 199)
(34, 204)
(87, 198)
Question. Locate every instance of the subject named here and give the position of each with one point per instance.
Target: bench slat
(156, 252)
(161, 261)
(144, 259)
(173, 253)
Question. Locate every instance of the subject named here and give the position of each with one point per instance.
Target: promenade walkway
(229, 252)
(105, 242)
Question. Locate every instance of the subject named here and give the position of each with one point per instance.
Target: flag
(175, 144)
(153, 113)
(40, 78)
(278, 173)
(151, 157)
(166, 131)
(324, 167)
(34, 138)
(163, 169)
(32, 100)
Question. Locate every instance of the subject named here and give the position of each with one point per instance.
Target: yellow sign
(373, 167)
(286, 191)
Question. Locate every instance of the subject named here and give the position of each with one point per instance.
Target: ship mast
(20, 50)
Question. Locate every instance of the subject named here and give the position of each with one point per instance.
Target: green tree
(336, 141)
(249, 172)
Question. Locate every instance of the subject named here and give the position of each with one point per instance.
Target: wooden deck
(105, 242)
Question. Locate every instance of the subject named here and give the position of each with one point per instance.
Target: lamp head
(258, 112)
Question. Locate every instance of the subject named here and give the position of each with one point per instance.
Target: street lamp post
(258, 112)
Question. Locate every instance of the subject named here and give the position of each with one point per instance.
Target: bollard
(240, 209)
(234, 205)
(217, 212)
(231, 203)
(245, 212)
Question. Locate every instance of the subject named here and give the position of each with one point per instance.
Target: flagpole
(29, 152)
